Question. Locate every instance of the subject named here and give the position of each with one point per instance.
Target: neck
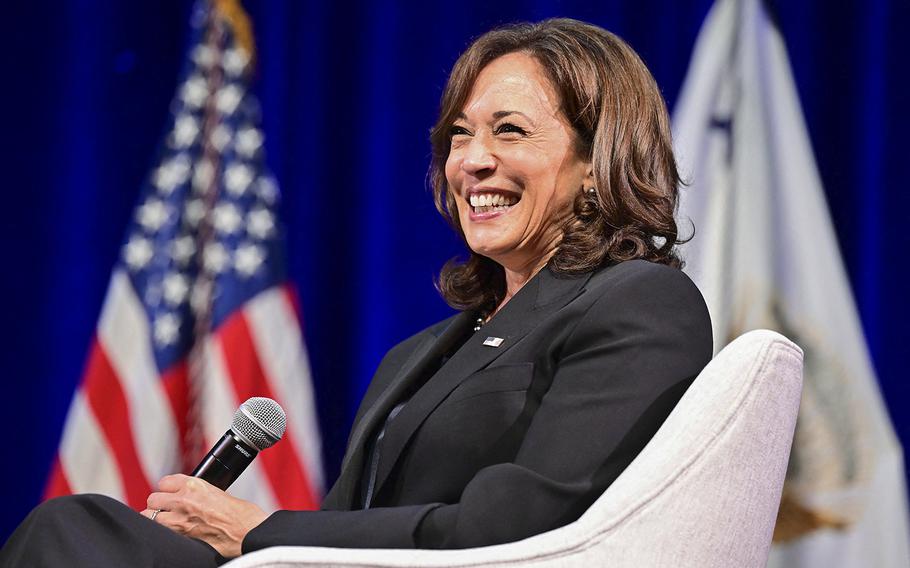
(515, 279)
(519, 275)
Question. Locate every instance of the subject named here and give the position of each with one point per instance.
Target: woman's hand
(195, 508)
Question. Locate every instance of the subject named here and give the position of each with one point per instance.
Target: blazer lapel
(540, 297)
(426, 352)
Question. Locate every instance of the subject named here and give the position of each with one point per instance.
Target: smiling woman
(552, 159)
(524, 156)
(563, 124)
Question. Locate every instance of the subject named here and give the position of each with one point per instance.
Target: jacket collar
(544, 294)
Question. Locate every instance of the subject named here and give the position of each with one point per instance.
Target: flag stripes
(219, 403)
(123, 333)
(275, 330)
(234, 372)
(112, 410)
(281, 464)
(86, 463)
(175, 382)
(198, 316)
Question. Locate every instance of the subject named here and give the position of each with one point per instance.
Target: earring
(591, 190)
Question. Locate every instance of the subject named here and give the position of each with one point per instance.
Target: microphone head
(260, 421)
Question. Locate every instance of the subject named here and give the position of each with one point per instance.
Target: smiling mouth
(492, 202)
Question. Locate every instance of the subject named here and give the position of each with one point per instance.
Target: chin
(488, 250)
(485, 242)
(481, 249)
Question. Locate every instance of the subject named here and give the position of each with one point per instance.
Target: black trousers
(97, 531)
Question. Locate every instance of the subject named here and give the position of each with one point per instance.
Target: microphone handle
(225, 461)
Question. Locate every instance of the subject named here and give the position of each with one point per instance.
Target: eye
(509, 128)
(455, 130)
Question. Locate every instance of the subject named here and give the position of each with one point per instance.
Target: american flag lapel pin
(493, 341)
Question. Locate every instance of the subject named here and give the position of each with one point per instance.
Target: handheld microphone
(257, 425)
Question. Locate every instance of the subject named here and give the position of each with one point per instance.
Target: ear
(589, 180)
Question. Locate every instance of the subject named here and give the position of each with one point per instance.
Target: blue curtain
(349, 93)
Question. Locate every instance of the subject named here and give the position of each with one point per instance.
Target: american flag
(198, 315)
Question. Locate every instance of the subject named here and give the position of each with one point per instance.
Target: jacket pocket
(502, 378)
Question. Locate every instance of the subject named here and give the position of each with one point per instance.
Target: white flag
(765, 256)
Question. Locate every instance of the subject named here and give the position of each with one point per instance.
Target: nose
(477, 159)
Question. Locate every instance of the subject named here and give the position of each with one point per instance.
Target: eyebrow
(499, 114)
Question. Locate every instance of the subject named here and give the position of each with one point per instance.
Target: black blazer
(505, 442)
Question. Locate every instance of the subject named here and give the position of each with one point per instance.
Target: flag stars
(183, 249)
(248, 259)
(176, 287)
(227, 99)
(203, 56)
(153, 214)
(248, 142)
(138, 252)
(226, 218)
(260, 223)
(193, 212)
(220, 137)
(207, 221)
(237, 178)
(166, 329)
(171, 174)
(194, 92)
(186, 129)
(216, 258)
(235, 61)
(267, 189)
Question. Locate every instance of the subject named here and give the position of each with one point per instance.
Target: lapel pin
(493, 341)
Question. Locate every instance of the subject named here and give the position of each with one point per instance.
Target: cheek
(560, 179)
(454, 182)
(452, 170)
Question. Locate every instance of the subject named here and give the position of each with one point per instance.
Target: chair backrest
(706, 489)
(704, 492)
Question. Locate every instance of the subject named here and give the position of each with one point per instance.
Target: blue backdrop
(349, 93)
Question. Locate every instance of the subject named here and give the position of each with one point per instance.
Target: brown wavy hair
(622, 127)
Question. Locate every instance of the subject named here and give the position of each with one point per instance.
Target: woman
(577, 336)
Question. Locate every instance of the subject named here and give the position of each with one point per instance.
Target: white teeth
(492, 200)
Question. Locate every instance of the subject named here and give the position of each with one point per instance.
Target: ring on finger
(155, 514)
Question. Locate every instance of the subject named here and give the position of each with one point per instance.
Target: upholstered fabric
(704, 492)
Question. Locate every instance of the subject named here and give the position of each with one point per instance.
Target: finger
(166, 501)
(173, 483)
(174, 521)
(194, 490)
(197, 484)
(151, 514)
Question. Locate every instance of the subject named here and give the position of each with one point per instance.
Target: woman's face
(512, 167)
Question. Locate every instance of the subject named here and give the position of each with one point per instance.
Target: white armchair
(704, 492)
